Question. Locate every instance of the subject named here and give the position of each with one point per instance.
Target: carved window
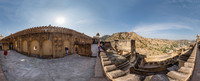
(35, 48)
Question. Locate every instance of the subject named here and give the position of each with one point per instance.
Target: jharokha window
(35, 48)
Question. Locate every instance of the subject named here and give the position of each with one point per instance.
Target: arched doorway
(47, 47)
(35, 48)
(25, 46)
(11, 46)
(67, 44)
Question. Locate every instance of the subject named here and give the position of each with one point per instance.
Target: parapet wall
(125, 45)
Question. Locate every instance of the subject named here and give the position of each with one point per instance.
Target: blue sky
(165, 19)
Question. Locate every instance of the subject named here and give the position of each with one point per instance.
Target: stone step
(183, 57)
(147, 78)
(128, 77)
(116, 74)
(171, 79)
(127, 55)
(185, 70)
(192, 57)
(105, 63)
(127, 68)
(105, 59)
(191, 60)
(189, 64)
(121, 66)
(109, 68)
(103, 56)
(177, 75)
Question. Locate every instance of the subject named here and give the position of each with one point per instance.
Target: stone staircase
(184, 72)
(117, 73)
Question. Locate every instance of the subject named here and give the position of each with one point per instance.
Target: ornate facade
(48, 41)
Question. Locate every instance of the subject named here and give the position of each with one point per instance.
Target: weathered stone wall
(5, 47)
(125, 45)
(48, 42)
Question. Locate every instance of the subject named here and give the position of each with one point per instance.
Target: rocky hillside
(147, 45)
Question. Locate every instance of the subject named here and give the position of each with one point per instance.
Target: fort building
(48, 42)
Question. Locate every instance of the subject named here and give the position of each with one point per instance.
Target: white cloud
(151, 28)
(161, 30)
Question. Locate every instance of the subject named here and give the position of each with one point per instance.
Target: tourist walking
(66, 49)
(5, 53)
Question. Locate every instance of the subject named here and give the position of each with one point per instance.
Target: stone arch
(67, 44)
(47, 47)
(35, 47)
(25, 46)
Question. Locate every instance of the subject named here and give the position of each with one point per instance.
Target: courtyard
(18, 67)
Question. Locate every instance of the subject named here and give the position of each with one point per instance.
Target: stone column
(53, 45)
(29, 46)
(41, 46)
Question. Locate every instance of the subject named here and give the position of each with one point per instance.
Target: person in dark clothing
(66, 48)
(99, 47)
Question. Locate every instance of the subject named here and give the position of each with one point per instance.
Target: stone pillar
(41, 47)
(29, 46)
(198, 38)
(116, 44)
(53, 46)
(133, 48)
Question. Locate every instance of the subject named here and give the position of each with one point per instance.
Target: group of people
(99, 48)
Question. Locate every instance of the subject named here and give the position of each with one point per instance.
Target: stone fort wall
(48, 41)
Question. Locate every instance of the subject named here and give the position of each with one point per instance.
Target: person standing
(5, 54)
(11, 47)
(66, 48)
(99, 48)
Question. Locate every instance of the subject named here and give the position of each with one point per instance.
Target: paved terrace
(19, 67)
(2, 77)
